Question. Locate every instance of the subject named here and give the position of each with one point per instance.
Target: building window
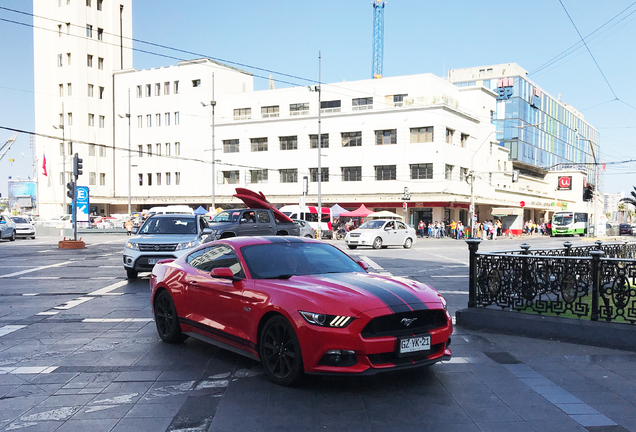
(102, 120)
(166, 88)
(351, 139)
(91, 178)
(89, 31)
(89, 60)
(61, 120)
(463, 174)
(59, 60)
(102, 179)
(196, 83)
(269, 111)
(61, 149)
(289, 175)
(148, 90)
(176, 87)
(324, 174)
(167, 179)
(385, 172)
(330, 106)
(101, 92)
(91, 149)
(464, 140)
(149, 148)
(140, 149)
(167, 117)
(177, 149)
(102, 151)
(68, 28)
(148, 120)
(88, 3)
(90, 90)
(422, 135)
(157, 89)
(59, 30)
(299, 109)
(69, 117)
(100, 34)
(421, 171)
(141, 179)
(289, 142)
(158, 179)
(448, 172)
(158, 120)
(100, 63)
(69, 89)
(398, 100)
(140, 121)
(91, 119)
(139, 92)
(449, 135)
(386, 137)
(177, 178)
(361, 104)
(352, 173)
(167, 149)
(231, 177)
(231, 146)
(99, 4)
(158, 147)
(176, 118)
(149, 177)
(258, 176)
(258, 144)
(61, 89)
(324, 141)
(242, 113)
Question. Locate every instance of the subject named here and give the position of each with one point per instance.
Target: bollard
(596, 281)
(568, 248)
(473, 246)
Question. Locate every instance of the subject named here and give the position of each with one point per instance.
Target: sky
(283, 39)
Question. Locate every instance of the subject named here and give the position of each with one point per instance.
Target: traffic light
(587, 193)
(77, 166)
(70, 190)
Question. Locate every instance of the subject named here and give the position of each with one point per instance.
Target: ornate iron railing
(587, 282)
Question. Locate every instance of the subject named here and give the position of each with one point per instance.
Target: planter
(71, 244)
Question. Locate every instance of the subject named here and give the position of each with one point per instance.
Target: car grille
(157, 247)
(354, 235)
(391, 325)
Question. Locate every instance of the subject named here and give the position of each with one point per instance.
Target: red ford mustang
(299, 306)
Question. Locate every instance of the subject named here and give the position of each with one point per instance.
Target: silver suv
(163, 237)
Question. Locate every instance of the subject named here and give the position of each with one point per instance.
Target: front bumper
(24, 233)
(141, 263)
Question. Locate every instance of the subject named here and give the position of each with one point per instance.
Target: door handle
(194, 283)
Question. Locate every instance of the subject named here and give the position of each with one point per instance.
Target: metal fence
(595, 282)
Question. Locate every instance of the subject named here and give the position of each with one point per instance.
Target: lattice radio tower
(378, 36)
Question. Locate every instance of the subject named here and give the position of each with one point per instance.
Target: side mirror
(206, 231)
(134, 230)
(224, 273)
(363, 264)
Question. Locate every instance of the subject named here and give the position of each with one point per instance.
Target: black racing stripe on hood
(388, 296)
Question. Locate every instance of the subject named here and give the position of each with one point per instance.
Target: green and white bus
(567, 223)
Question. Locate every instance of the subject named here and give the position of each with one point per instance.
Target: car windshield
(169, 225)
(20, 220)
(563, 219)
(227, 216)
(283, 260)
(372, 225)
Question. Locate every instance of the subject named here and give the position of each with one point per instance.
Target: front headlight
(324, 320)
(443, 301)
(132, 245)
(187, 245)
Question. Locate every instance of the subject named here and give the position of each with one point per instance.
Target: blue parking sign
(82, 203)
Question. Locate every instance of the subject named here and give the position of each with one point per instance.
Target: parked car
(23, 228)
(103, 222)
(7, 228)
(161, 237)
(63, 221)
(251, 222)
(381, 233)
(299, 306)
(625, 229)
(305, 229)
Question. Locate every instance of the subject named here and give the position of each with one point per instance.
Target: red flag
(44, 165)
(604, 166)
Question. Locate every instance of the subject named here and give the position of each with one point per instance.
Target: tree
(631, 200)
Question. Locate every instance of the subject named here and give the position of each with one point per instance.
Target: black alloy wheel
(12, 236)
(167, 319)
(280, 352)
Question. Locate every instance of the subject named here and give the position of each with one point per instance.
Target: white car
(23, 228)
(381, 233)
(7, 228)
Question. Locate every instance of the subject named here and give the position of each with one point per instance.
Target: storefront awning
(507, 211)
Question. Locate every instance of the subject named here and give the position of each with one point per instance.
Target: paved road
(79, 351)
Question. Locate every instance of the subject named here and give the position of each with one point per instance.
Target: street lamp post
(129, 158)
(212, 104)
(596, 181)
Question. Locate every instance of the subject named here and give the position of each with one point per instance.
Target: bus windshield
(563, 219)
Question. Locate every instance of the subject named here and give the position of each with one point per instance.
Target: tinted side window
(215, 257)
(263, 216)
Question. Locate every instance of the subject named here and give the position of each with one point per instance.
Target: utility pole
(129, 161)
(319, 175)
(212, 104)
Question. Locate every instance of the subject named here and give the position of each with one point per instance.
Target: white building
(612, 202)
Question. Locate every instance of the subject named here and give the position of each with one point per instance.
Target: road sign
(522, 203)
(83, 204)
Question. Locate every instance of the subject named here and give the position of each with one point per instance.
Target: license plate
(353, 241)
(414, 344)
(153, 261)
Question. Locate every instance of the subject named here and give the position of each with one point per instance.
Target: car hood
(163, 238)
(343, 293)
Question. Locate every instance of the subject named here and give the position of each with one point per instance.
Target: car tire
(167, 320)
(408, 243)
(132, 274)
(279, 351)
(352, 246)
(309, 236)
(33, 238)
(377, 243)
(12, 236)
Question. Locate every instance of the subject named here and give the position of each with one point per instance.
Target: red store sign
(565, 183)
